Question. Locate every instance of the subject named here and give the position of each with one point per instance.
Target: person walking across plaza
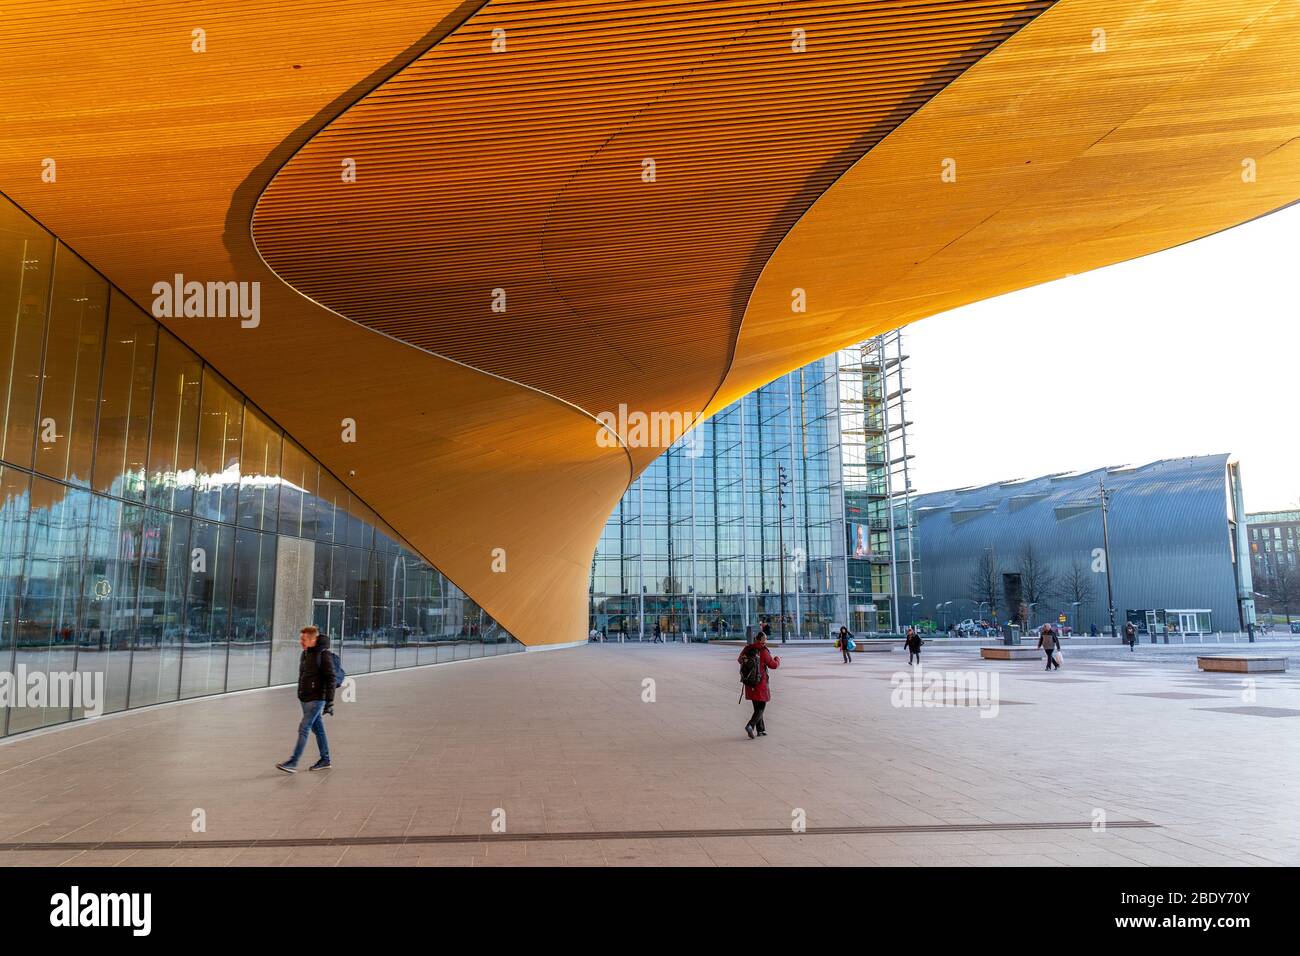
(1049, 642)
(316, 695)
(844, 639)
(1130, 635)
(755, 661)
(913, 644)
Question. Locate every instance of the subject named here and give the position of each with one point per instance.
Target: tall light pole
(1105, 544)
(781, 480)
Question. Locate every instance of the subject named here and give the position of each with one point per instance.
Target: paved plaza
(635, 755)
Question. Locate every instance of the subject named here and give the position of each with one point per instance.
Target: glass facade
(160, 530)
(704, 538)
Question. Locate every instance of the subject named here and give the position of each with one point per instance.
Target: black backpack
(751, 668)
(340, 675)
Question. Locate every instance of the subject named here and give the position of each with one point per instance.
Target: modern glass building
(157, 528)
(1037, 550)
(790, 484)
(1274, 545)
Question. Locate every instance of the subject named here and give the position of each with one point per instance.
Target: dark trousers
(848, 659)
(913, 657)
(757, 720)
(1051, 663)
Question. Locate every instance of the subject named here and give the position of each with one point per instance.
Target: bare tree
(984, 582)
(1284, 586)
(1037, 580)
(1076, 586)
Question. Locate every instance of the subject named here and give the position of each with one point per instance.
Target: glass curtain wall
(148, 513)
(701, 542)
(704, 539)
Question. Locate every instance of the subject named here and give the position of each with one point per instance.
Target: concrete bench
(1012, 653)
(1241, 664)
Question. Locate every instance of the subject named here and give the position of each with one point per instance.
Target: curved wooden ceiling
(1068, 159)
(522, 170)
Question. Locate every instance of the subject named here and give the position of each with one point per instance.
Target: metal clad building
(1171, 546)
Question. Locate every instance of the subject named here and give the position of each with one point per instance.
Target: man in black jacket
(316, 694)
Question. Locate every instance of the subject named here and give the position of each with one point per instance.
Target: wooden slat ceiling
(1068, 159)
(521, 170)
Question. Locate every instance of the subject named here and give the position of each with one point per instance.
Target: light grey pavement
(557, 746)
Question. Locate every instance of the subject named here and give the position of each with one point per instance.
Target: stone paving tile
(153, 858)
(382, 855)
(40, 857)
(81, 858)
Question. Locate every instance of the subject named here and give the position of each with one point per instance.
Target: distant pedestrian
(658, 633)
(1050, 643)
(1130, 635)
(755, 660)
(913, 644)
(316, 694)
(845, 637)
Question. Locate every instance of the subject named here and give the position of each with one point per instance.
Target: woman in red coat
(761, 693)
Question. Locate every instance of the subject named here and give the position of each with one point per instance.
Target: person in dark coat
(1049, 642)
(316, 694)
(760, 694)
(844, 644)
(913, 644)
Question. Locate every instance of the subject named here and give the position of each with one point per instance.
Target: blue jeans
(313, 718)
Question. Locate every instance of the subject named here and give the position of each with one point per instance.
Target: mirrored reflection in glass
(164, 566)
(26, 264)
(221, 427)
(259, 480)
(301, 476)
(253, 610)
(74, 344)
(207, 609)
(15, 502)
(123, 440)
(53, 602)
(112, 586)
(174, 439)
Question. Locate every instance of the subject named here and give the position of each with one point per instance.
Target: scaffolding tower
(877, 484)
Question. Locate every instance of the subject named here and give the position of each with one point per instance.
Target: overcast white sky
(1186, 352)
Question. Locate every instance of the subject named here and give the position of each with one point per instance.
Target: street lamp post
(1105, 544)
(781, 479)
(940, 611)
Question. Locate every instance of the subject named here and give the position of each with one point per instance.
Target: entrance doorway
(327, 615)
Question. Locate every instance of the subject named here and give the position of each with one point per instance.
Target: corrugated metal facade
(1170, 540)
